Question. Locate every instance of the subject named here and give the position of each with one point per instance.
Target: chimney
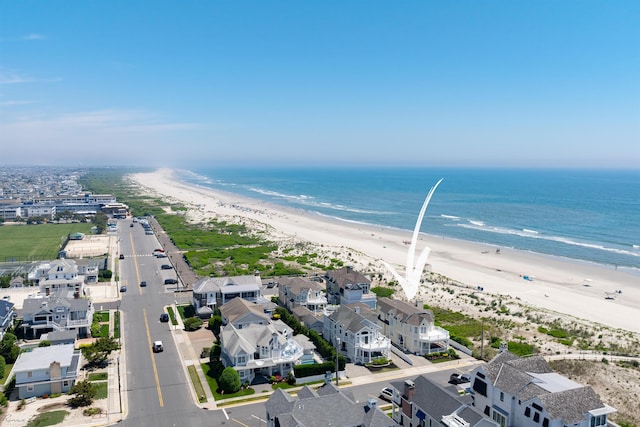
(419, 304)
(372, 403)
(409, 389)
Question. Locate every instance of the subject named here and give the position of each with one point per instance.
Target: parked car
(143, 284)
(157, 346)
(459, 379)
(166, 267)
(123, 289)
(131, 225)
(386, 394)
(164, 317)
(170, 281)
(121, 256)
(160, 255)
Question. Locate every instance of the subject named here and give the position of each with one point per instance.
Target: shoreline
(557, 284)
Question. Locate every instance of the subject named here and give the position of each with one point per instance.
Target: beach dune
(587, 291)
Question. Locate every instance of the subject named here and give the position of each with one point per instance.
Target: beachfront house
(353, 330)
(42, 314)
(46, 370)
(525, 392)
(325, 406)
(423, 402)
(309, 319)
(410, 327)
(210, 292)
(256, 346)
(347, 286)
(301, 292)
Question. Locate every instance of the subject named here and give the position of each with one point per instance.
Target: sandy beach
(559, 285)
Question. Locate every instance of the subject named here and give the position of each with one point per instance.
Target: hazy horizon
(414, 84)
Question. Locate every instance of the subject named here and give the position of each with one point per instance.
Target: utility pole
(337, 365)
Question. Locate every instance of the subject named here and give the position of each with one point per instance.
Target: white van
(157, 346)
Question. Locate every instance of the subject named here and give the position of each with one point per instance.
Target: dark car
(143, 284)
(170, 281)
(131, 225)
(123, 289)
(166, 267)
(164, 317)
(121, 256)
(458, 379)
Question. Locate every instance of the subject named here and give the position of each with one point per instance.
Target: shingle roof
(350, 320)
(407, 313)
(216, 284)
(346, 276)
(531, 378)
(299, 284)
(42, 357)
(237, 308)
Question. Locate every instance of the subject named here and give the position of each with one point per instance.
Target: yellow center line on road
(153, 358)
(241, 423)
(135, 262)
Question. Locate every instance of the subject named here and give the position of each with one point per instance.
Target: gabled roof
(404, 311)
(238, 308)
(298, 285)
(352, 321)
(346, 276)
(49, 304)
(219, 284)
(326, 406)
(531, 378)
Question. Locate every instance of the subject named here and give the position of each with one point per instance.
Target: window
(536, 417)
(599, 420)
(527, 412)
(65, 383)
(480, 387)
(30, 387)
(29, 374)
(545, 422)
(499, 418)
(501, 396)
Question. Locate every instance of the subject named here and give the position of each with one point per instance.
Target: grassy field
(35, 242)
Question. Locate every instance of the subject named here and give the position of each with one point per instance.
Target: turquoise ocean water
(587, 215)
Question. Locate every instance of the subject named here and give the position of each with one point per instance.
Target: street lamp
(337, 353)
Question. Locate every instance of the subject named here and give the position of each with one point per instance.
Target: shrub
(192, 324)
(229, 381)
(301, 371)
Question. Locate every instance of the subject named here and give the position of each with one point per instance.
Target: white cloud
(33, 36)
(8, 77)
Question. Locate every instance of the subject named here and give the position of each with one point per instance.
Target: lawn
(35, 242)
(101, 389)
(101, 316)
(98, 376)
(116, 324)
(48, 419)
(213, 385)
(7, 370)
(197, 385)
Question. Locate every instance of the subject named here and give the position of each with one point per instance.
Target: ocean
(585, 215)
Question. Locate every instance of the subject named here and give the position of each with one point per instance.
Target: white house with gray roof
(7, 311)
(42, 314)
(411, 328)
(326, 406)
(354, 331)
(46, 370)
(301, 292)
(57, 275)
(217, 291)
(254, 345)
(525, 392)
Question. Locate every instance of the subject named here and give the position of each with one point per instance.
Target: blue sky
(424, 83)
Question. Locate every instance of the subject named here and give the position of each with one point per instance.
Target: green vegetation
(97, 353)
(212, 372)
(382, 292)
(197, 384)
(101, 316)
(83, 394)
(520, 348)
(116, 324)
(98, 376)
(36, 242)
(229, 380)
(48, 419)
(192, 323)
(172, 316)
(101, 390)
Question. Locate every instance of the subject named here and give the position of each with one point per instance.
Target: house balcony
(435, 334)
(381, 344)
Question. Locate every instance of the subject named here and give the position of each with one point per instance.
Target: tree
(98, 352)
(44, 343)
(215, 322)
(229, 380)
(8, 348)
(192, 324)
(83, 393)
(2, 367)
